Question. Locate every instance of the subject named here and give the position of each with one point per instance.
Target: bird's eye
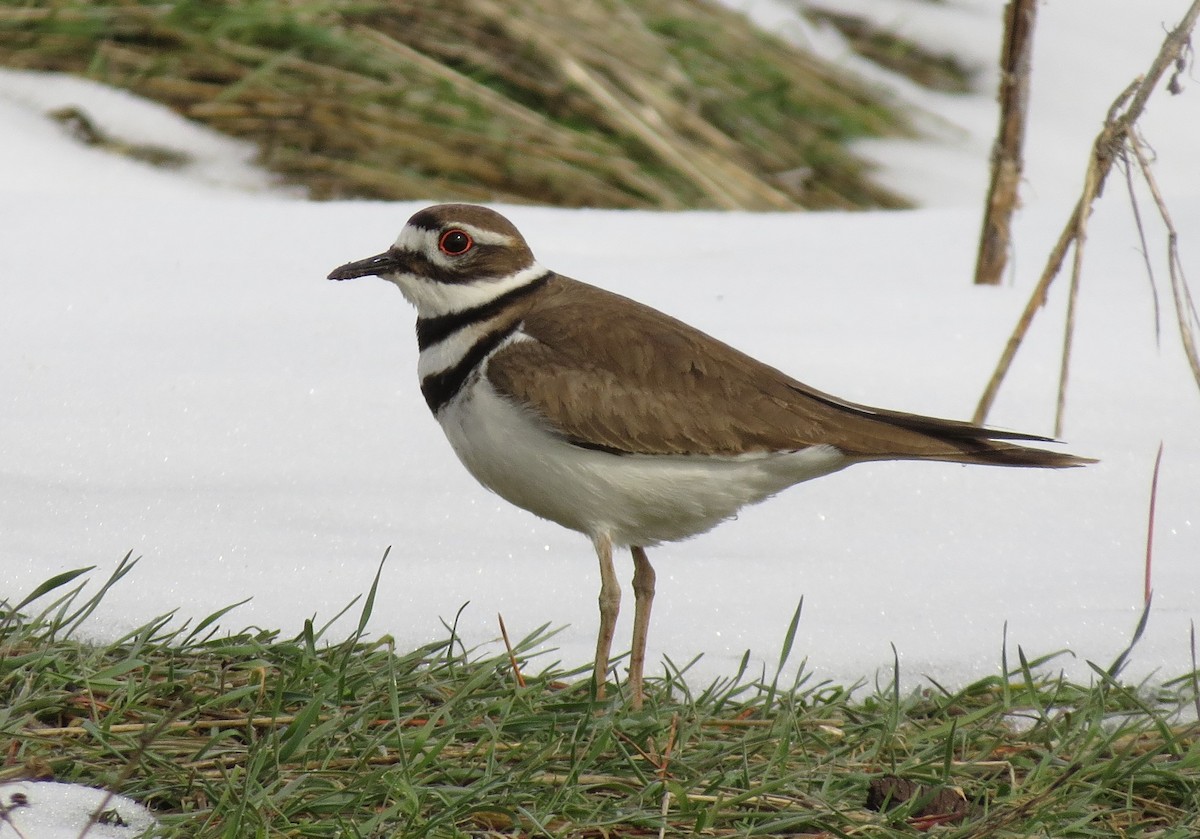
(455, 242)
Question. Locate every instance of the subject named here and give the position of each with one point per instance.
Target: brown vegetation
(613, 103)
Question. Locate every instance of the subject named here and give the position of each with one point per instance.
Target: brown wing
(658, 386)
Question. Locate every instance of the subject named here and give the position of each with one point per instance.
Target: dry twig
(1146, 589)
(1185, 305)
(1114, 139)
(512, 656)
(1008, 153)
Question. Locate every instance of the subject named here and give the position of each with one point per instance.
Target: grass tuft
(255, 734)
(666, 104)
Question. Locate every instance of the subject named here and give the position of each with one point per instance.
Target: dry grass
(613, 103)
(934, 70)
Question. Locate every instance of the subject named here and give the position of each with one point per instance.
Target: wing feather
(658, 386)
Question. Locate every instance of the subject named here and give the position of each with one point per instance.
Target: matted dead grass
(668, 104)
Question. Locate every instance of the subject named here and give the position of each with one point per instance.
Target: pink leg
(643, 593)
(610, 605)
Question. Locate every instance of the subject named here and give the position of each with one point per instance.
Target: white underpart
(433, 299)
(632, 499)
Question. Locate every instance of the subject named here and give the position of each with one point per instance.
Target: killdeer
(613, 419)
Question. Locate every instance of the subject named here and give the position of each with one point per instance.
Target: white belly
(633, 499)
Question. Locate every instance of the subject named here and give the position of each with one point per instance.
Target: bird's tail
(895, 435)
(963, 442)
(989, 450)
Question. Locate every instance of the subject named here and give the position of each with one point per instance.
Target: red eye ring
(455, 242)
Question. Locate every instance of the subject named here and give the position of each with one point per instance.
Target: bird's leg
(610, 605)
(643, 593)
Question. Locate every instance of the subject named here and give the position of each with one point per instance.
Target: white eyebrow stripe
(420, 240)
(485, 236)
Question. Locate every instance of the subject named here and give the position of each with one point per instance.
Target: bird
(613, 419)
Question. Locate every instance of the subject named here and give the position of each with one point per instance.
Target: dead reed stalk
(1113, 143)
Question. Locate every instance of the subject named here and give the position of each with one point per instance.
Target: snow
(31, 138)
(178, 380)
(49, 810)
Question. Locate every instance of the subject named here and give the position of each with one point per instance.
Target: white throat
(433, 299)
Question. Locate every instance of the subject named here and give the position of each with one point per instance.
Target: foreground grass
(253, 734)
